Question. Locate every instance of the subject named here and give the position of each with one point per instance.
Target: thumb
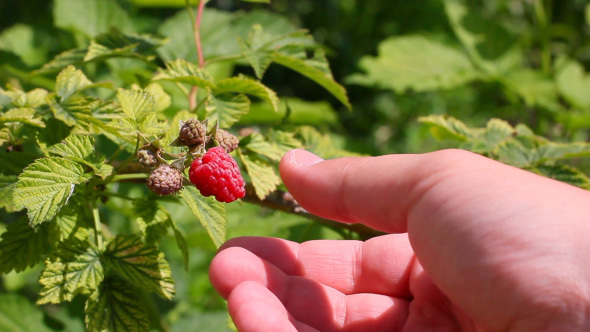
(375, 191)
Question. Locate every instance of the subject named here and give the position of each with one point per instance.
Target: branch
(277, 200)
(192, 98)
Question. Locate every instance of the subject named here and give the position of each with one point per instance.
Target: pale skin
(475, 245)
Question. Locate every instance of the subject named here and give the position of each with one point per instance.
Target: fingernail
(304, 158)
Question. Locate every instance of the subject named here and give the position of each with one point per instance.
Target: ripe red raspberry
(217, 174)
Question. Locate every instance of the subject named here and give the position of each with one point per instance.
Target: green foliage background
(504, 78)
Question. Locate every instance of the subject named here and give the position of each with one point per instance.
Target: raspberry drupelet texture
(226, 140)
(147, 158)
(217, 174)
(193, 132)
(165, 180)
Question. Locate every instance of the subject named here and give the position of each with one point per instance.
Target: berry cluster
(217, 174)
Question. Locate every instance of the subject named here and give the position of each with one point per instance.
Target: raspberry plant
(56, 178)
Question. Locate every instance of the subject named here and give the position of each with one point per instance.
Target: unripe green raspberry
(226, 140)
(193, 132)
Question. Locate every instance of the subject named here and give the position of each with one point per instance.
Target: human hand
(481, 246)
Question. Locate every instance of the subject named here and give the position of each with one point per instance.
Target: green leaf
(116, 307)
(17, 314)
(70, 223)
(254, 50)
(76, 147)
(415, 63)
(315, 68)
(80, 148)
(182, 71)
(181, 243)
(209, 212)
(565, 174)
(256, 143)
(220, 31)
(7, 185)
(243, 85)
(573, 83)
(23, 115)
(226, 109)
(23, 40)
(54, 132)
(278, 143)
(74, 113)
(163, 100)
(74, 269)
(533, 87)
(263, 175)
(90, 17)
(4, 135)
(45, 186)
(490, 46)
(322, 144)
(443, 127)
(140, 264)
(62, 60)
(116, 44)
(557, 151)
(23, 246)
(71, 80)
(152, 218)
(513, 152)
(139, 109)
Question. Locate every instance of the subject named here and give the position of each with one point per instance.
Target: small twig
(97, 228)
(283, 201)
(192, 98)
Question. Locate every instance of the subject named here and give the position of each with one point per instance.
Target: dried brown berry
(147, 158)
(193, 132)
(226, 140)
(165, 180)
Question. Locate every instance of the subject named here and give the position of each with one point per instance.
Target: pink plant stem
(197, 35)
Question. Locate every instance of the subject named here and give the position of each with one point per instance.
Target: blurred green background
(521, 61)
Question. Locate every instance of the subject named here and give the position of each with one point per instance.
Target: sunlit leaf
(75, 268)
(182, 71)
(415, 63)
(72, 80)
(247, 86)
(263, 175)
(45, 186)
(448, 127)
(23, 115)
(209, 212)
(227, 109)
